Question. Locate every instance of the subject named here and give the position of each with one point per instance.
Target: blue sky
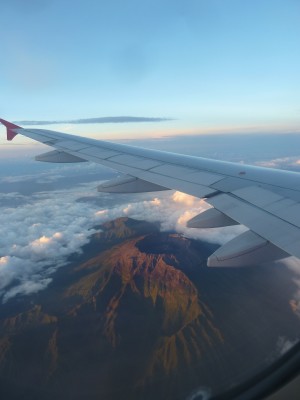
(213, 66)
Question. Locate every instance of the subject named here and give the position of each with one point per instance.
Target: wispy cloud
(98, 120)
(281, 163)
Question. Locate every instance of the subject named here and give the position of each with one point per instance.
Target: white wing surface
(263, 199)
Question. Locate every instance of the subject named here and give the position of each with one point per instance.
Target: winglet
(10, 129)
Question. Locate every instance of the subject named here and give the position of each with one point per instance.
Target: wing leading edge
(264, 200)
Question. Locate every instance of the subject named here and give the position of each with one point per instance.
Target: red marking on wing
(10, 129)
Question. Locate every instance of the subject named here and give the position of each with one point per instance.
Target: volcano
(137, 315)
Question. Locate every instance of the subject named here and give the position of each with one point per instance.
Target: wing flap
(189, 174)
(178, 184)
(258, 196)
(282, 233)
(286, 209)
(135, 161)
(99, 153)
(70, 145)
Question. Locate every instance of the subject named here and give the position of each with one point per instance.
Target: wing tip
(10, 128)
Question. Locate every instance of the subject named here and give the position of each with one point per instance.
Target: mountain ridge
(139, 314)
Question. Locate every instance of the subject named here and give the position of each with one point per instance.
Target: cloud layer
(98, 120)
(41, 230)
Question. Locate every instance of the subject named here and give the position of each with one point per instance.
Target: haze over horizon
(200, 67)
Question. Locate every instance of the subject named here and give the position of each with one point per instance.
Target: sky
(209, 66)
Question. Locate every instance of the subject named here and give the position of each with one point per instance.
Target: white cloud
(281, 162)
(38, 237)
(173, 210)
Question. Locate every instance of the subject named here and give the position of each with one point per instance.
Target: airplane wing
(263, 199)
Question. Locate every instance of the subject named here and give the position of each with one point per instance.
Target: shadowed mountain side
(26, 347)
(28, 320)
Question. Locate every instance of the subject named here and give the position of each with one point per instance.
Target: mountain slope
(138, 315)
